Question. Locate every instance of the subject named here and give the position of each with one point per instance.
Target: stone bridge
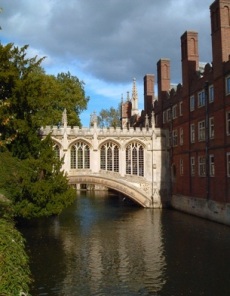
(131, 161)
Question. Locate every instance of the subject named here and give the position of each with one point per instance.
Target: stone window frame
(57, 152)
(80, 155)
(134, 159)
(109, 156)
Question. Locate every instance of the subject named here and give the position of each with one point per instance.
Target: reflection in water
(99, 246)
(114, 251)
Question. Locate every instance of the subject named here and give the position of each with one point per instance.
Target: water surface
(103, 246)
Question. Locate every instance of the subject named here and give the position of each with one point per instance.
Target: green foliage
(14, 267)
(109, 118)
(28, 95)
(35, 187)
(30, 175)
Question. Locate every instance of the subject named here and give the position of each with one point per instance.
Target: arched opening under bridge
(123, 187)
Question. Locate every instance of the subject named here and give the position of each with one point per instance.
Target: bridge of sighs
(131, 161)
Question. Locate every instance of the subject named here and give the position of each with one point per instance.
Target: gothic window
(57, 151)
(135, 159)
(80, 156)
(73, 157)
(109, 157)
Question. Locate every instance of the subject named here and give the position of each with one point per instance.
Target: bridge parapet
(84, 131)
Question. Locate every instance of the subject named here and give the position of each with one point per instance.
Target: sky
(106, 43)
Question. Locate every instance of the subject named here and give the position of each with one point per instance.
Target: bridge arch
(137, 195)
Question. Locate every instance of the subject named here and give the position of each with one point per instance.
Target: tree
(30, 173)
(109, 118)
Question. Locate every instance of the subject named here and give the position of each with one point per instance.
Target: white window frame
(202, 166)
(169, 115)
(211, 93)
(109, 157)
(201, 98)
(192, 133)
(228, 163)
(135, 159)
(211, 165)
(211, 128)
(174, 112)
(228, 123)
(193, 165)
(201, 131)
(227, 85)
(192, 103)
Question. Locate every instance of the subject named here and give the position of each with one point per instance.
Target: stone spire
(134, 98)
(64, 118)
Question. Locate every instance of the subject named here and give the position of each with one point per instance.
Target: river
(102, 245)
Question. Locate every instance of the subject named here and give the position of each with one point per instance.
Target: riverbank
(207, 209)
(14, 263)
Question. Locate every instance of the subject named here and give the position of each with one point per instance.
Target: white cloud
(106, 42)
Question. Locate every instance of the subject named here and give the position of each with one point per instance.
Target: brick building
(197, 115)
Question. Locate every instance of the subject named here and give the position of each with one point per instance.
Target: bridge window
(57, 151)
(135, 159)
(80, 156)
(110, 157)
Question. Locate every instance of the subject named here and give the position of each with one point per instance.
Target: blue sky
(106, 43)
